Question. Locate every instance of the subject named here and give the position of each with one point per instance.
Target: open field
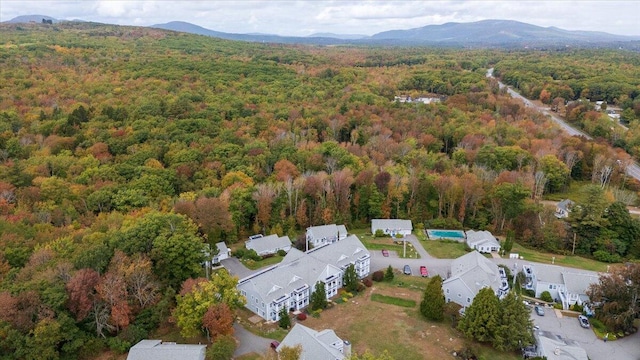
(445, 249)
(374, 243)
(377, 327)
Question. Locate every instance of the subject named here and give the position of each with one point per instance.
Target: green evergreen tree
(432, 305)
(319, 297)
(508, 243)
(388, 275)
(350, 279)
(515, 327)
(285, 320)
(482, 319)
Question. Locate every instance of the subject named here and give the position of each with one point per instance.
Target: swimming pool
(435, 234)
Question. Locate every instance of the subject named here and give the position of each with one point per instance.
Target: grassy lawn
(562, 260)
(254, 265)
(573, 192)
(374, 243)
(444, 249)
(393, 300)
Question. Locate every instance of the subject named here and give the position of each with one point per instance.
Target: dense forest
(123, 150)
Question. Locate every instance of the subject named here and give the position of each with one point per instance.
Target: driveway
(249, 343)
(236, 268)
(434, 266)
(568, 327)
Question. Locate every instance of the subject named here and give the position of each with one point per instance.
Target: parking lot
(624, 349)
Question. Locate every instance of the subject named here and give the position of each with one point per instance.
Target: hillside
(124, 150)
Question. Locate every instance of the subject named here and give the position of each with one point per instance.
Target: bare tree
(540, 181)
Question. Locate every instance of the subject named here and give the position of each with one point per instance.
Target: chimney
(346, 350)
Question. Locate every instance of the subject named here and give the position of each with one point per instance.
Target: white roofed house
(563, 208)
(469, 274)
(325, 234)
(566, 286)
(268, 245)
(316, 345)
(392, 227)
(483, 241)
(575, 288)
(158, 350)
(555, 347)
(223, 253)
(290, 283)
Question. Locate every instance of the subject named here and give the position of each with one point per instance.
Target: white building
(563, 208)
(469, 274)
(566, 286)
(392, 227)
(158, 350)
(223, 253)
(555, 347)
(268, 245)
(325, 234)
(483, 241)
(316, 345)
(289, 284)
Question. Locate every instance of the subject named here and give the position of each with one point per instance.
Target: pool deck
(432, 236)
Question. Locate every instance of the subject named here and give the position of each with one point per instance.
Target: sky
(306, 17)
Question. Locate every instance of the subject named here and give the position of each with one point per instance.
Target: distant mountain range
(485, 33)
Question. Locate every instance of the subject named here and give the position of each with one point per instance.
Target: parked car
(385, 252)
(423, 271)
(275, 344)
(584, 322)
(407, 270)
(539, 310)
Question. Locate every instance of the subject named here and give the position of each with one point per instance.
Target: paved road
(249, 343)
(236, 268)
(568, 327)
(633, 169)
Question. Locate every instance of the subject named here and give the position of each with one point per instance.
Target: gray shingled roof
(222, 247)
(481, 237)
(315, 345)
(391, 224)
(157, 350)
(476, 271)
(327, 231)
(268, 243)
(578, 283)
(557, 347)
(548, 273)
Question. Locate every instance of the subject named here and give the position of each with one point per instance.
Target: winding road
(633, 169)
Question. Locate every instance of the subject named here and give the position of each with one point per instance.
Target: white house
(564, 208)
(325, 234)
(483, 241)
(566, 286)
(267, 245)
(470, 273)
(290, 283)
(223, 253)
(316, 345)
(392, 227)
(158, 350)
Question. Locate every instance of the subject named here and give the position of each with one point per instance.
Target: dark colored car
(539, 310)
(423, 271)
(407, 270)
(584, 322)
(385, 252)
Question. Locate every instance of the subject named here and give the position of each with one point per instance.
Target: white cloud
(289, 17)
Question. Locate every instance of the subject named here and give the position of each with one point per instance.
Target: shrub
(316, 313)
(604, 256)
(118, 345)
(282, 253)
(361, 287)
(388, 275)
(578, 308)
(557, 306)
(529, 293)
(546, 296)
(301, 317)
(378, 276)
(240, 253)
(379, 233)
(367, 282)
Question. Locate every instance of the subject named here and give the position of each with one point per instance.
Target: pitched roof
(391, 224)
(476, 272)
(315, 345)
(157, 350)
(327, 231)
(565, 204)
(556, 347)
(298, 269)
(548, 273)
(578, 283)
(481, 237)
(222, 247)
(268, 243)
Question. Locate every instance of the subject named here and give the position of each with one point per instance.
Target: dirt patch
(376, 327)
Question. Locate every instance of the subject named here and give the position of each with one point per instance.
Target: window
(459, 295)
(468, 300)
(447, 291)
(550, 287)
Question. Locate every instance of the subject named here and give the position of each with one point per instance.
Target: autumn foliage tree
(218, 321)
